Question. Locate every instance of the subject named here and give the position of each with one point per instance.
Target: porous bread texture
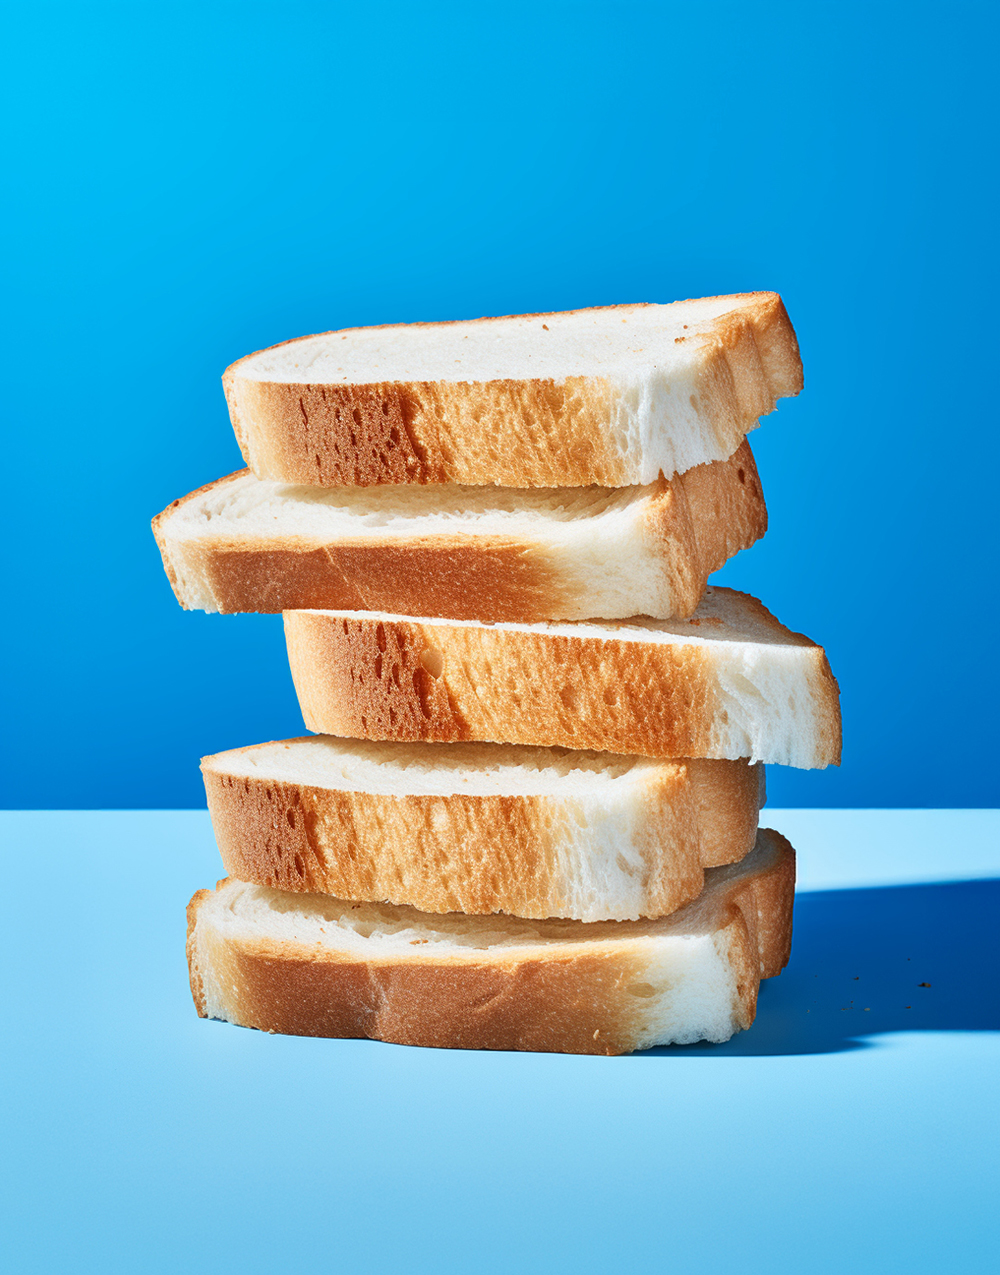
(480, 828)
(312, 965)
(241, 544)
(729, 682)
(614, 395)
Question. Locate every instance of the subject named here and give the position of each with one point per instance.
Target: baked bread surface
(311, 965)
(480, 828)
(613, 395)
(241, 544)
(730, 682)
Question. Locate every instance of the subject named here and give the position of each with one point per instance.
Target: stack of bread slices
(528, 818)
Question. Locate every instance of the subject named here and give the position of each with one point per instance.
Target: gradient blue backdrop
(191, 182)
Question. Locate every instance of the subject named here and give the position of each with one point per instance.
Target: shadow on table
(859, 958)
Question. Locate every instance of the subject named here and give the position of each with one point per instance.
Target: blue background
(191, 182)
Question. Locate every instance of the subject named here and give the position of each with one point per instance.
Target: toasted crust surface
(635, 847)
(676, 534)
(553, 986)
(760, 691)
(731, 363)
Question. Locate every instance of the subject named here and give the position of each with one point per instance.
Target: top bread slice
(485, 553)
(613, 396)
(729, 682)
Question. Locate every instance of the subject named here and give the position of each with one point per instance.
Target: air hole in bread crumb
(741, 475)
(433, 661)
(380, 636)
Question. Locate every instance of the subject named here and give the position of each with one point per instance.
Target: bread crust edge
(426, 432)
(396, 678)
(688, 529)
(478, 854)
(578, 1001)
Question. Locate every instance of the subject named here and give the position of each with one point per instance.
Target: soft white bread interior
(613, 395)
(480, 828)
(312, 965)
(485, 553)
(729, 682)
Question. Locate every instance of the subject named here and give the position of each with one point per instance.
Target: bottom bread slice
(313, 965)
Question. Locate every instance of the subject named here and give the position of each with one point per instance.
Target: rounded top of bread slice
(613, 396)
(602, 341)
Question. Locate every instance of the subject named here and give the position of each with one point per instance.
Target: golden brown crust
(374, 680)
(727, 797)
(829, 731)
(585, 998)
(538, 1005)
(695, 523)
(758, 935)
(396, 678)
(500, 577)
(492, 578)
(725, 512)
(472, 853)
(765, 901)
(773, 894)
(194, 969)
(427, 432)
(368, 679)
(516, 433)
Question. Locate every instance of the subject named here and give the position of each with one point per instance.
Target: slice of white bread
(729, 682)
(614, 395)
(480, 828)
(483, 553)
(312, 965)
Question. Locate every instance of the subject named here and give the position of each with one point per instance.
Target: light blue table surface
(854, 1128)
